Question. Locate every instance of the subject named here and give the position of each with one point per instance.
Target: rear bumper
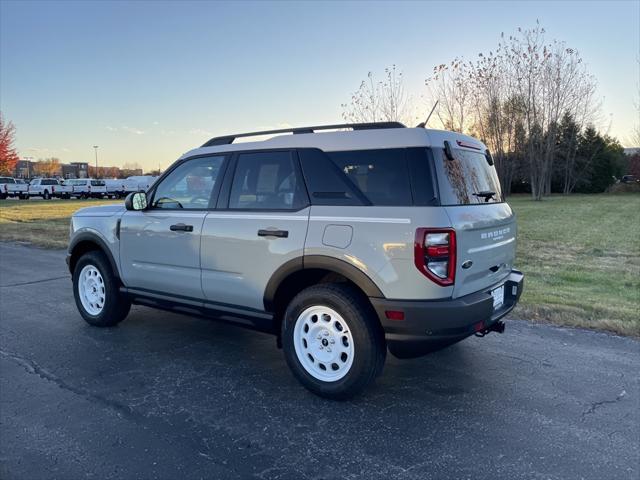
(431, 325)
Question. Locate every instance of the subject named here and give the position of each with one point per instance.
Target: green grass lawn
(581, 258)
(44, 223)
(580, 254)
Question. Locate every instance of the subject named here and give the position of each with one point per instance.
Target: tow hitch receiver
(494, 327)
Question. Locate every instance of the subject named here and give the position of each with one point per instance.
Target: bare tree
(375, 101)
(449, 85)
(48, 167)
(514, 99)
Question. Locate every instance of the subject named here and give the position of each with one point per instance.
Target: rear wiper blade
(485, 194)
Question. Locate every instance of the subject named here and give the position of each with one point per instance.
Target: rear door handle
(181, 227)
(273, 233)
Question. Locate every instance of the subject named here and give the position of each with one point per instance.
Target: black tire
(46, 195)
(368, 338)
(3, 196)
(116, 305)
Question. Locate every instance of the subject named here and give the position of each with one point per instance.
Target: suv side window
(381, 175)
(267, 181)
(189, 185)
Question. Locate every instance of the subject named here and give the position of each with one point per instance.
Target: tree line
(531, 101)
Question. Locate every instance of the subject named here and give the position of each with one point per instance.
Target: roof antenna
(424, 124)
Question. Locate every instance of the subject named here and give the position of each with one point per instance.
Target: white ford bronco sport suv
(343, 243)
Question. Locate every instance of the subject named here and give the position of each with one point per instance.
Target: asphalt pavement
(170, 397)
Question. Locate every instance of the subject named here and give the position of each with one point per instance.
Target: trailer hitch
(498, 326)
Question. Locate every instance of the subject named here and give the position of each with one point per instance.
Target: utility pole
(95, 148)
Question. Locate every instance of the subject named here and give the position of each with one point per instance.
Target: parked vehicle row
(10, 187)
(48, 188)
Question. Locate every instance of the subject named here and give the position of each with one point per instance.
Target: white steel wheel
(91, 290)
(323, 343)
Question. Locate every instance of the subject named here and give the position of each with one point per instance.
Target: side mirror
(136, 201)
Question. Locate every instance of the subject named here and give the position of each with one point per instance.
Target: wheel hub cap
(323, 343)
(91, 290)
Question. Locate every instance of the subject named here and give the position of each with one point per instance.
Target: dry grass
(580, 254)
(40, 222)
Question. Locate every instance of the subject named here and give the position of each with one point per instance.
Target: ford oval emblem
(467, 264)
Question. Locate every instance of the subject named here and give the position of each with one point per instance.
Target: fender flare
(323, 262)
(99, 242)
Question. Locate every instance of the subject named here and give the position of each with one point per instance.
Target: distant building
(131, 172)
(75, 170)
(24, 168)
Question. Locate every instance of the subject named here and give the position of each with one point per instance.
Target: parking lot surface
(168, 396)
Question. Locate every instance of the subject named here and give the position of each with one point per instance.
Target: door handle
(273, 233)
(181, 227)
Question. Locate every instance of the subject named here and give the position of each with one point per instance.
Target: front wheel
(46, 195)
(332, 341)
(96, 291)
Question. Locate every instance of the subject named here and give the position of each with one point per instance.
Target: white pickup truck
(87, 188)
(48, 188)
(11, 187)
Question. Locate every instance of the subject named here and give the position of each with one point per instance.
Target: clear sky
(147, 81)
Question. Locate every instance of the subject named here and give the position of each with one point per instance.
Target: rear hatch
(485, 226)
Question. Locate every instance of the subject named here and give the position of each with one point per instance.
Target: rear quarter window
(381, 176)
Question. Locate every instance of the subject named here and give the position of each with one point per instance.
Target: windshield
(467, 179)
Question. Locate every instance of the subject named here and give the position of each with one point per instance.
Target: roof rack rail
(227, 139)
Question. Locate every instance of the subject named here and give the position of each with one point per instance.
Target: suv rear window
(381, 175)
(467, 179)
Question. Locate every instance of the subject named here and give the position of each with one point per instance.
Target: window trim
(225, 193)
(213, 198)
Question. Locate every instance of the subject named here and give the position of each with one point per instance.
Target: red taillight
(435, 254)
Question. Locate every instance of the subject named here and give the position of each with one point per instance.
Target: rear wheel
(96, 291)
(46, 195)
(332, 342)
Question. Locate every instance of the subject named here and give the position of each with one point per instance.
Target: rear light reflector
(435, 254)
(394, 314)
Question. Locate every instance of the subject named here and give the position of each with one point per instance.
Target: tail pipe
(498, 326)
